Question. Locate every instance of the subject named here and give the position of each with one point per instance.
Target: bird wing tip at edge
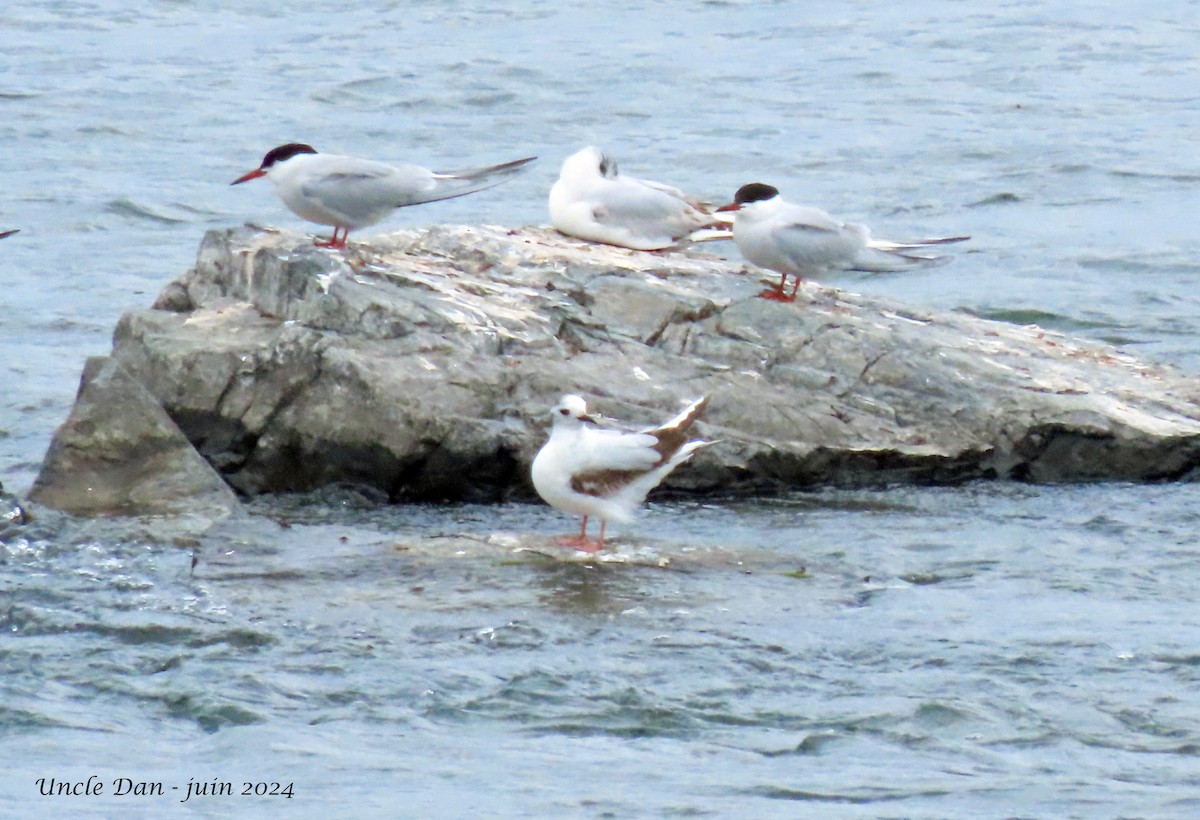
(684, 420)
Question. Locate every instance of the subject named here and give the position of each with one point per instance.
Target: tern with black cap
(348, 193)
(805, 242)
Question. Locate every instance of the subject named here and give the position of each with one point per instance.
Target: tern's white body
(796, 239)
(349, 193)
(592, 201)
(606, 474)
(806, 242)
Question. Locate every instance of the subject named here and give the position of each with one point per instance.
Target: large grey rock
(424, 365)
(119, 453)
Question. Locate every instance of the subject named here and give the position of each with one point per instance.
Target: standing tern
(348, 193)
(592, 201)
(803, 241)
(606, 474)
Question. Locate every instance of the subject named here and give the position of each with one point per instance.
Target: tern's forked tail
(886, 256)
(453, 184)
(888, 246)
(504, 169)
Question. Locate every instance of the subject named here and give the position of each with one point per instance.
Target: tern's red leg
(334, 242)
(777, 294)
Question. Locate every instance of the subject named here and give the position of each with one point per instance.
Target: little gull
(606, 474)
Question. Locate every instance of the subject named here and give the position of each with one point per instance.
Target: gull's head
(571, 409)
(274, 159)
(589, 163)
(750, 197)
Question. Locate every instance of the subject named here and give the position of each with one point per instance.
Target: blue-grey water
(989, 650)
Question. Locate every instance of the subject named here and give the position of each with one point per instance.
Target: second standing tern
(591, 200)
(348, 193)
(802, 241)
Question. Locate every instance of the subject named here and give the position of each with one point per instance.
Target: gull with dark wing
(348, 193)
(606, 474)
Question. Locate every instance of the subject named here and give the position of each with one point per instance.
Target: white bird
(348, 193)
(606, 474)
(592, 201)
(9, 233)
(803, 241)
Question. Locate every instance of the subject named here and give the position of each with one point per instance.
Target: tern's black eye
(564, 411)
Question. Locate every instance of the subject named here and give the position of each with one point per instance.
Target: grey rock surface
(119, 453)
(424, 365)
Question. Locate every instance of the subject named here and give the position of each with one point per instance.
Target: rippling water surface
(994, 650)
(988, 650)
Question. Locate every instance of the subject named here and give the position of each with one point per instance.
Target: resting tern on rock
(802, 241)
(348, 193)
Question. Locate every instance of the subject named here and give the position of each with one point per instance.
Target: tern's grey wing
(810, 239)
(810, 219)
(365, 192)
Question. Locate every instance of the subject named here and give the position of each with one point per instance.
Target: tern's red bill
(255, 174)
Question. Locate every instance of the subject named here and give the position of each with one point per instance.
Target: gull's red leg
(598, 545)
(577, 541)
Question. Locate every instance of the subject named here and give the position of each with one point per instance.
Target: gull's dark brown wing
(604, 483)
(674, 434)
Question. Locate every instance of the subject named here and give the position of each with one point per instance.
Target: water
(916, 652)
(986, 650)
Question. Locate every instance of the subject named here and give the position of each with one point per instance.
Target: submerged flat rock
(424, 364)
